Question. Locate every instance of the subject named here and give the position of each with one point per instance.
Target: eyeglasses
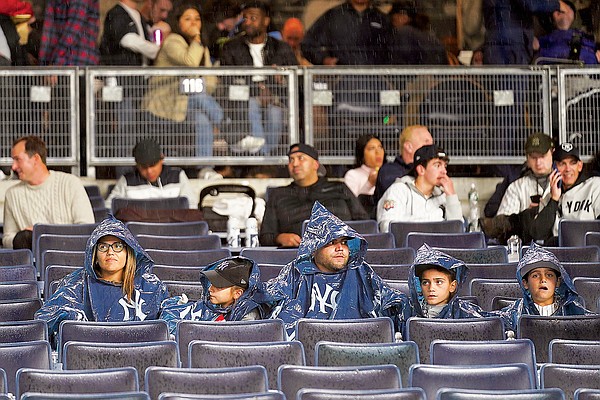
(117, 247)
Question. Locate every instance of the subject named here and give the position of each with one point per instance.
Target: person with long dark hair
(369, 156)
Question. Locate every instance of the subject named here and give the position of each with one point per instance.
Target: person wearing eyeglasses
(115, 283)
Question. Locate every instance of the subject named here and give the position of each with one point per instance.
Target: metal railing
(479, 115)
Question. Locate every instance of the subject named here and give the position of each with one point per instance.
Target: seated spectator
(427, 195)
(574, 195)
(115, 283)
(151, 178)
(265, 106)
(434, 279)
(329, 279)
(565, 42)
(369, 156)
(16, 16)
(184, 48)
(547, 289)
(411, 44)
(288, 206)
(530, 192)
(412, 138)
(230, 289)
(42, 196)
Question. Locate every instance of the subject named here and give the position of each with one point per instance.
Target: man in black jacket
(288, 206)
(265, 105)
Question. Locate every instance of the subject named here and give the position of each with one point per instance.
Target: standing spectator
(509, 37)
(115, 283)
(184, 48)
(42, 196)
(413, 137)
(329, 279)
(287, 207)
(70, 33)
(151, 178)
(353, 33)
(428, 195)
(293, 33)
(155, 11)
(547, 289)
(565, 42)
(12, 52)
(255, 48)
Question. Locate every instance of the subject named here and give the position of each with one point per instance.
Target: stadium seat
(335, 354)
(486, 289)
(465, 240)
(77, 382)
(270, 330)
(292, 378)
(367, 330)
(193, 228)
(481, 352)
(111, 332)
(576, 352)
(431, 378)
(218, 381)
(271, 355)
(400, 230)
(423, 331)
(86, 355)
(542, 330)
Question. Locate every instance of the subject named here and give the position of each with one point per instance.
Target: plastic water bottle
(473, 209)
(233, 232)
(514, 248)
(251, 232)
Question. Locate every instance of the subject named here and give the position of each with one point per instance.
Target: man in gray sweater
(42, 196)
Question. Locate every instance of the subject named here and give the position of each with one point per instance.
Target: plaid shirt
(70, 33)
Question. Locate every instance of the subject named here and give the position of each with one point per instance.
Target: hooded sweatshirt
(82, 296)
(248, 306)
(566, 298)
(302, 291)
(455, 308)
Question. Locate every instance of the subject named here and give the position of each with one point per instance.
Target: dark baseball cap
(428, 152)
(147, 152)
(566, 150)
(304, 148)
(538, 142)
(233, 271)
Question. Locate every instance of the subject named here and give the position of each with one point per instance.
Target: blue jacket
(82, 296)
(509, 29)
(557, 44)
(302, 291)
(204, 310)
(455, 308)
(569, 302)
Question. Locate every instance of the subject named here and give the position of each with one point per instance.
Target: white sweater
(61, 199)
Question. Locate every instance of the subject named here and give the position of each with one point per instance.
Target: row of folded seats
(252, 357)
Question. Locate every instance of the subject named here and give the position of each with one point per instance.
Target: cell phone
(535, 198)
(560, 179)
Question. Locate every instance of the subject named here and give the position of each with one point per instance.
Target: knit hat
(147, 152)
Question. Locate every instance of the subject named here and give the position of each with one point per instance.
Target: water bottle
(514, 248)
(251, 232)
(473, 209)
(233, 232)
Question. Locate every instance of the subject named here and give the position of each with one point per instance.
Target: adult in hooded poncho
(566, 299)
(85, 296)
(247, 307)
(455, 308)
(302, 290)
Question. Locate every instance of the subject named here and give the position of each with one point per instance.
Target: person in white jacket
(427, 195)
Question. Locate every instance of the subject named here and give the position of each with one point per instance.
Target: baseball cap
(566, 150)
(428, 152)
(539, 264)
(538, 142)
(303, 148)
(234, 271)
(147, 152)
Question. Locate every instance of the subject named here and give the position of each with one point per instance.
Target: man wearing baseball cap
(287, 207)
(151, 178)
(427, 195)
